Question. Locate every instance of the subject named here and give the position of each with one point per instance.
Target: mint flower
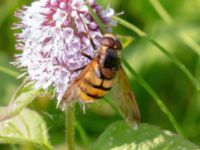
(53, 34)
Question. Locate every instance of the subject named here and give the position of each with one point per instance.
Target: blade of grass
(9, 71)
(97, 19)
(129, 26)
(82, 133)
(115, 108)
(192, 112)
(176, 61)
(7, 8)
(162, 12)
(165, 16)
(156, 98)
(140, 80)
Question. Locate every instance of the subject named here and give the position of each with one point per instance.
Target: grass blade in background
(161, 105)
(6, 9)
(180, 34)
(9, 71)
(175, 60)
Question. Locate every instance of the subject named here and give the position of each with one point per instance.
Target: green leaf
(26, 128)
(120, 136)
(19, 103)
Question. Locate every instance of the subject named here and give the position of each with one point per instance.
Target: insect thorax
(111, 60)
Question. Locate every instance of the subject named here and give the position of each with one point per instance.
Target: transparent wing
(72, 91)
(126, 98)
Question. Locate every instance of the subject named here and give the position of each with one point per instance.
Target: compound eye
(108, 41)
(118, 44)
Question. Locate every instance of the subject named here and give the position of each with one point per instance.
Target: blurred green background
(163, 76)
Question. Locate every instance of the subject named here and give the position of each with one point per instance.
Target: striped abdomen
(99, 81)
(95, 84)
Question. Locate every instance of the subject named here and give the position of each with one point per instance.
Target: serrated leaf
(120, 136)
(18, 104)
(27, 127)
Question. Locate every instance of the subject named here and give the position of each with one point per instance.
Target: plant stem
(165, 16)
(176, 61)
(162, 12)
(115, 108)
(82, 133)
(162, 106)
(130, 26)
(70, 125)
(9, 71)
(97, 19)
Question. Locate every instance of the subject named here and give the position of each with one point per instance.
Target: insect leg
(87, 31)
(86, 55)
(78, 69)
(83, 67)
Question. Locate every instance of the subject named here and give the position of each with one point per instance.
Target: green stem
(70, 126)
(165, 16)
(97, 19)
(176, 61)
(9, 71)
(82, 133)
(6, 9)
(162, 12)
(115, 108)
(144, 84)
(130, 26)
(161, 105)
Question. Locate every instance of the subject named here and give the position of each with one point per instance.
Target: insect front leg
(82, 67)
(86, 55)
(77, 69)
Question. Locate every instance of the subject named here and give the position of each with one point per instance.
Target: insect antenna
(88, 33)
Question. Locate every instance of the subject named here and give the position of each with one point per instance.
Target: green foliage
(27, 128)
(162, 106)
(165, 51)
(18, 103)
(119, 136)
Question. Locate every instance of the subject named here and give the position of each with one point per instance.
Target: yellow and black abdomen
(99, 81)
(94, 86)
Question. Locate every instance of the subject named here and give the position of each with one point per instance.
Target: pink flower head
(53, 35)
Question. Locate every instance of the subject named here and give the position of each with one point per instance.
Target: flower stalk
(70, 126)
(52, 36)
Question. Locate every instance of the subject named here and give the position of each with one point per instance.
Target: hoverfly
(98, 77)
